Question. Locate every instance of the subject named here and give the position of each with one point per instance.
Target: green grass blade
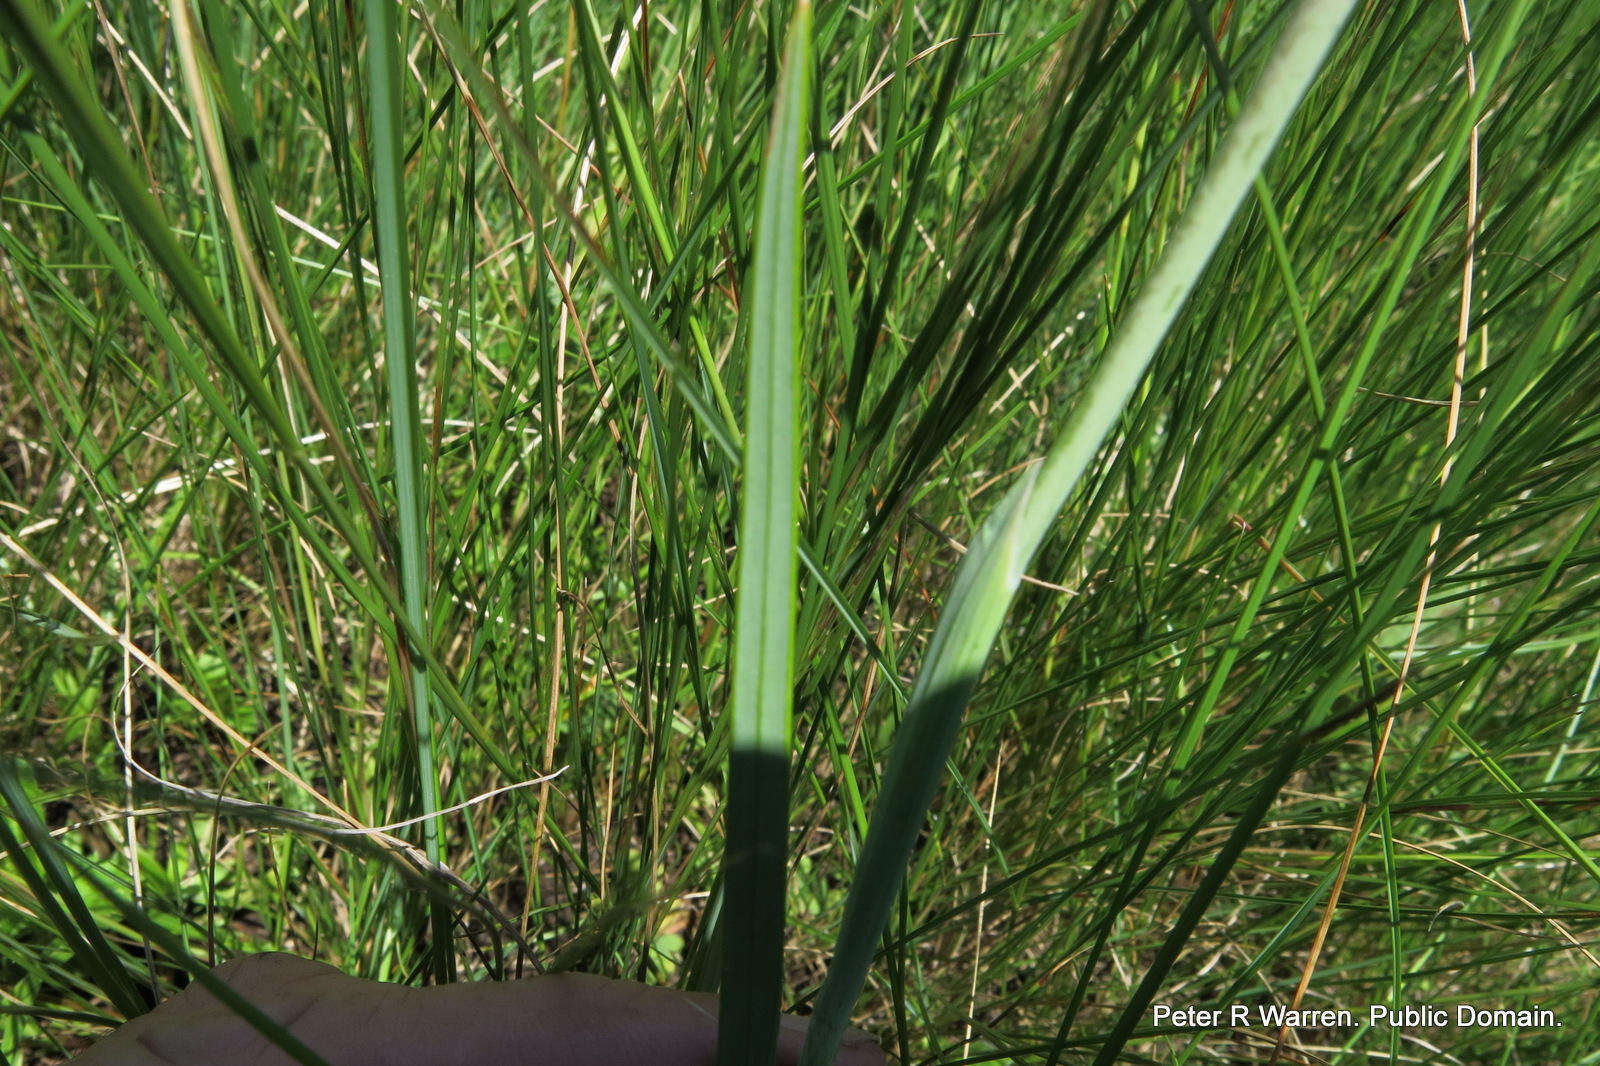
(1386, 376)
(763, 668)
(10, 94)
(53, 889)
(174, 949)
(989, 573)
(386, 43)
(599, 77)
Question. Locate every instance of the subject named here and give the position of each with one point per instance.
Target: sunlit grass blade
(763, 665)
(988, 575)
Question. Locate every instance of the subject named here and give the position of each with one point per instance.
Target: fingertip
(270, 969)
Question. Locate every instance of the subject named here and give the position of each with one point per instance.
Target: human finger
(571, 1019)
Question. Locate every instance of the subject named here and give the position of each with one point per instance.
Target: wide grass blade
(763, 665)
(990, 572)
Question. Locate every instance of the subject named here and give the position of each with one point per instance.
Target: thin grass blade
(57, 897)
(763, 669)
(386, 44)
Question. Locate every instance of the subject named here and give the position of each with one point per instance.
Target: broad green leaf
(763, 664)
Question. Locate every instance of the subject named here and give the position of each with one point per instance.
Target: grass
(1176, 585)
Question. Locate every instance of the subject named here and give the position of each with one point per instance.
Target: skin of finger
(572, 1019)
(583, 1019)
(194, 1027)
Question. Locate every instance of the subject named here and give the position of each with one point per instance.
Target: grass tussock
(1136, 563)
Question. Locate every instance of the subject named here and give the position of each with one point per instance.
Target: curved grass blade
(763, 667)
(989, 573)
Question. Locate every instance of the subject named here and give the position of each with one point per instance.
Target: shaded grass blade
(989, 573)
(53, 888)
(763, 668)
(386, 42)
(56, 858)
